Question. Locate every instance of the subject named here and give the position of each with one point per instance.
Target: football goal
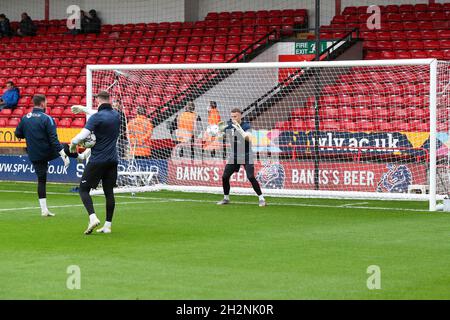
(341, 129)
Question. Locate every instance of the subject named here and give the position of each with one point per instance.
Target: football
(89, 142)
(213, 130)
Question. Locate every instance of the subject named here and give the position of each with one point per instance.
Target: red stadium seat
(403, 55)
(445, 44)
(24, 101)
(30, 91)
(140, 59)
(155, 50)
(418, 54)
(209, 40)
(115, 60)
(13, 122)
(415, 45)
(62, 100)
(206, 49)
(65, 123)
(218, 58)
(431, 44)
(5, 113)
(103, 60)
(127, 60)
(79, 90)
(191, 58)
(195, 41)
(56, 111)
(19, 112)
(74, 100)
(204, 58)
(178, 58)
(152, 59)
(167, 50)
(437, 54)
(165, 59)
(78, 123)
(54, 90)
(180, 50)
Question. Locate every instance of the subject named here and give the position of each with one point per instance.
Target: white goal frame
(432, 197)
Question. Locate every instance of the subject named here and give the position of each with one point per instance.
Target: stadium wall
(135, 11)
(13, 9)
(119, 11)
(110, 11)
(327, 7)
(348, 3)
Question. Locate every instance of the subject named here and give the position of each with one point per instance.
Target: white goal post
(375, 129)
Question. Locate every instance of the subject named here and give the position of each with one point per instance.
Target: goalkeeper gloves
(72, 148)
(65, 158)
(222, 125)
(239, 129)
(77, 109)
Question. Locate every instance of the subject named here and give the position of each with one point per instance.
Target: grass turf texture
(169, 245)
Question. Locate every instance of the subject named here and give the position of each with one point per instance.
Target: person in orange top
(186, 124)
(213, 114)
(211, 144)
(140, 132)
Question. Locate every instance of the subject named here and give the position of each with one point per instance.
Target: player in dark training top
(39, 131)
(239, 153)
(102, 165)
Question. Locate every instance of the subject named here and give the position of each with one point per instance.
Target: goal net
(349, 129)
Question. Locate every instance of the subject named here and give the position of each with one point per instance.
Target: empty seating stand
(367, 101)
(407, 31)
(54, 62)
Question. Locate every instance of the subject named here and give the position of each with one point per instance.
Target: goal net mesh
(443, 128)
(332, 131)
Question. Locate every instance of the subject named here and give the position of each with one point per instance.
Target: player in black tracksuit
(103, 162)
(39, 130)
(240, 153)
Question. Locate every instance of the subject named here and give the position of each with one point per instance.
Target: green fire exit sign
(309, 47)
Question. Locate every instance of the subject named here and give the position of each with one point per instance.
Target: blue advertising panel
(19, 168)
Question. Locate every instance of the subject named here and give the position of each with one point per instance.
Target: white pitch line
(80, 205)
(346, 206)
(353, 204)
(48, 192)
(162, 200)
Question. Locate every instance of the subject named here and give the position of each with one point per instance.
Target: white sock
(226, 197)
(261, 197)
(92, 217)
(43, 203)
(108, 224)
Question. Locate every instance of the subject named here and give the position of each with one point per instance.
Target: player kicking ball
(39, 131)
(240, 153)
(102, 165)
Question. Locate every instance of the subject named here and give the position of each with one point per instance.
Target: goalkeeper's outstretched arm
(76, 109)
(84, 133)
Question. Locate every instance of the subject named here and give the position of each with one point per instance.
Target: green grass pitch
(169, 245)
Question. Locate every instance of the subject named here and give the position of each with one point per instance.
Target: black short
(40, 167)
(232, 168)
(96, 172)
